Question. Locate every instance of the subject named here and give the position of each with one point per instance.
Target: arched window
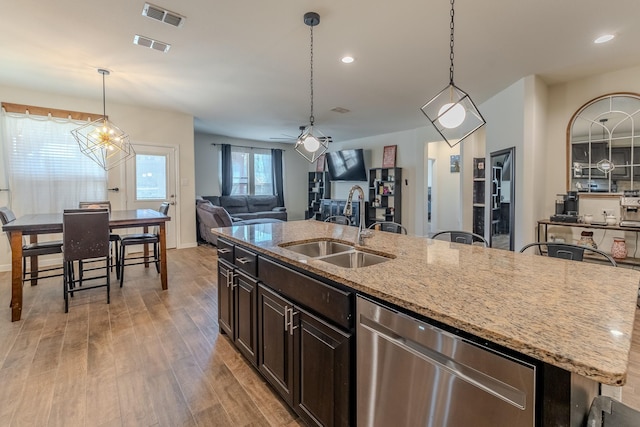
(603, 145)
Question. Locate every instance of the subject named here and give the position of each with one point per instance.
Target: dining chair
(569, 251)
(390, 226)
(459, 236)
(338, 219)
(141, 239)
(113, 237)
(85, 237)
(33, 249)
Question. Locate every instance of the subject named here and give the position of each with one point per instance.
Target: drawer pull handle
(286, 320)
(224, 250)
(243, 260)
(291, 314)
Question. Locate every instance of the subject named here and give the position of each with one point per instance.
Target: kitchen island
(577, 317)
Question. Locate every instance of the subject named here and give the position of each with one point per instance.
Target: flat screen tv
(347, 165)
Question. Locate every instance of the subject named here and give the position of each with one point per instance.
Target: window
(46, 171)
(151, 177)
(604, 145)
(252, 171)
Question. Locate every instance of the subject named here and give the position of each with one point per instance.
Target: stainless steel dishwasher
(411, 373)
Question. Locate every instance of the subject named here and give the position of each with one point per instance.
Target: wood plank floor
(150, 358)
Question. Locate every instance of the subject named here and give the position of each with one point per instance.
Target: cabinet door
(275, 355)
(225, 298)
(322, 370)
(246, 338)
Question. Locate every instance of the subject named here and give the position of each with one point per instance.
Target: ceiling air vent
(163, 15)
(151, 43)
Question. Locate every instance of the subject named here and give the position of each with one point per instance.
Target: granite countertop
(574, 315)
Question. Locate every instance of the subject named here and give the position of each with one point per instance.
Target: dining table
(33, 225)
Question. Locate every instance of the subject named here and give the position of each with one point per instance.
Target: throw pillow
(221, 216)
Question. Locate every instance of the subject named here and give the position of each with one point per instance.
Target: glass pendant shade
(104, 143)
(311, 144)
(453, 114)
(101, 140)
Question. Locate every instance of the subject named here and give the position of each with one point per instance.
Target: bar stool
(33, 249)
(113, 237)
(141, 239)
(85, 236)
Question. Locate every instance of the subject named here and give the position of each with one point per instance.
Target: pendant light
(605, 165)
(311, 143)
(101, 140)
(452, 112)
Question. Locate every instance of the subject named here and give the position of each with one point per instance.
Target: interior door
(502, 199)
(151, 179)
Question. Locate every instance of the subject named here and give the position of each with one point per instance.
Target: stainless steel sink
(355, 259)
(318, 248)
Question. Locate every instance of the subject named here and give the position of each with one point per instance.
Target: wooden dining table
(35, 224)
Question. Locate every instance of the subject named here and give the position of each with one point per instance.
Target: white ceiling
(241, 67)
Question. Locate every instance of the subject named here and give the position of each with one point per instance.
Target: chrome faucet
(348, 211)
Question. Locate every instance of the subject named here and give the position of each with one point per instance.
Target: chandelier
(452, 112)
(101, 140)
(311, 143)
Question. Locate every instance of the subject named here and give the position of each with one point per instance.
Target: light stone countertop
(574, 315)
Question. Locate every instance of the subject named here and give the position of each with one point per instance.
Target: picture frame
(320, 163)
(455, 163)
(389, 156)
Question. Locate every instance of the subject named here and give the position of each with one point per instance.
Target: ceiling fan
(291, 138)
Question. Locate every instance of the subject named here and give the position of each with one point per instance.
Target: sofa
(250, 207)
(210, 215)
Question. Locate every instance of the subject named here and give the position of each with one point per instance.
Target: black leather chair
(113, 237)
(458, 236)
(338, 219)
(390, 226)
(141, 239)
(34, 249)
(568, 251)
(85, 237)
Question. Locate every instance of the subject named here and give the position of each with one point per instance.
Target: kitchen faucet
(348, 211)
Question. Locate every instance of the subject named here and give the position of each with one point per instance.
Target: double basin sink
(336, 253)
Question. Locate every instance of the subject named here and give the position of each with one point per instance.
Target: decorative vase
(619, 248)
(586, 239)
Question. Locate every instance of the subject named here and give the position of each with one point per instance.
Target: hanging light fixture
(311, 143)
(101, 140)
(452, 112)
(605, 165)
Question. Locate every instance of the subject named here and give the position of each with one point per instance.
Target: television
(347, 165)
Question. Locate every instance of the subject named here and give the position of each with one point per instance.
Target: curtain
(227, 170)
(45, 170)
(278, 186)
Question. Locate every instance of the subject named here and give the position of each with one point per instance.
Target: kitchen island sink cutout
(337, 253)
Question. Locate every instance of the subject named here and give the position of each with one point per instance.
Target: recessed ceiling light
(603, 39)
(347, 59)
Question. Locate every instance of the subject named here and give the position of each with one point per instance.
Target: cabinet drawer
(246, 261)
(331, 303)
(225, 250)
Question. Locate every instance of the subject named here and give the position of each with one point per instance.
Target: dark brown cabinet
(305, 359)
(322, 369)
(245, 310)
(225, 297)
(275, 359)
(237, 299)
(296, 330)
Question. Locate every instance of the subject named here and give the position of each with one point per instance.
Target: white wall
(144, 125)
(410, 157)
(207, 170)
